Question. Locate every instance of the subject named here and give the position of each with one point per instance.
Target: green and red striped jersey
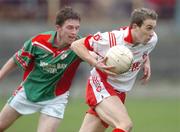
(48, 71)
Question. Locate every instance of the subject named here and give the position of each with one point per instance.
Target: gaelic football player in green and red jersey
(49, 66)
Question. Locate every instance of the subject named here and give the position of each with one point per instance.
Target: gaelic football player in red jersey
(106, 92)
(49, 66)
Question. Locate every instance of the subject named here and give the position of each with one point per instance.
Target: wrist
(95, 64)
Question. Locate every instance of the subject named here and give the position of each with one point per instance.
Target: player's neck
(60, 43)
(134, 38)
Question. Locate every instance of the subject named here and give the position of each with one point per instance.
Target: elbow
(76, 45)
(72, 45)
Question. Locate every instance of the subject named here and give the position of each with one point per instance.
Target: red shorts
(97, 90)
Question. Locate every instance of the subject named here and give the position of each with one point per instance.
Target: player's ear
(134, 26)
(58, 27)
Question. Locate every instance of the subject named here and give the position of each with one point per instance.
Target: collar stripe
(42, 46)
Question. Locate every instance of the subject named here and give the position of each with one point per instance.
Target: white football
(120, 57)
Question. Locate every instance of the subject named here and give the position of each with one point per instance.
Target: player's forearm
(8, 67)
(79, 48)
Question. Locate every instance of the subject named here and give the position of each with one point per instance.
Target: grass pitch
(148, 115)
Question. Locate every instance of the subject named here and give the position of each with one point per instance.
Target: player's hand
(146, 73)
(104, 68)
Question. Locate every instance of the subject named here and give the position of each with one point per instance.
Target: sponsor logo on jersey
(97, 37)
(52, 68)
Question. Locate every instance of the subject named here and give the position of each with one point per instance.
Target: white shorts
(54, 107)
(98, 89)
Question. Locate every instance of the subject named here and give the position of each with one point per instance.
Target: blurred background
(22, 19)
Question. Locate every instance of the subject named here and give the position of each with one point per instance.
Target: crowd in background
(30, 9)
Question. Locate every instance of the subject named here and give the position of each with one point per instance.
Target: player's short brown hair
(65, 14)
(139, 15)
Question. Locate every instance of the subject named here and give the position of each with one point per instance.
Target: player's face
(67, 33)
(145, 32)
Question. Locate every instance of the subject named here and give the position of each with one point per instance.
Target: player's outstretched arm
(7, 68)
(79, 48)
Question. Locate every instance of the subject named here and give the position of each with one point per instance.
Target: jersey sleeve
(24, 56)
(87, 43)
(97, 41)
